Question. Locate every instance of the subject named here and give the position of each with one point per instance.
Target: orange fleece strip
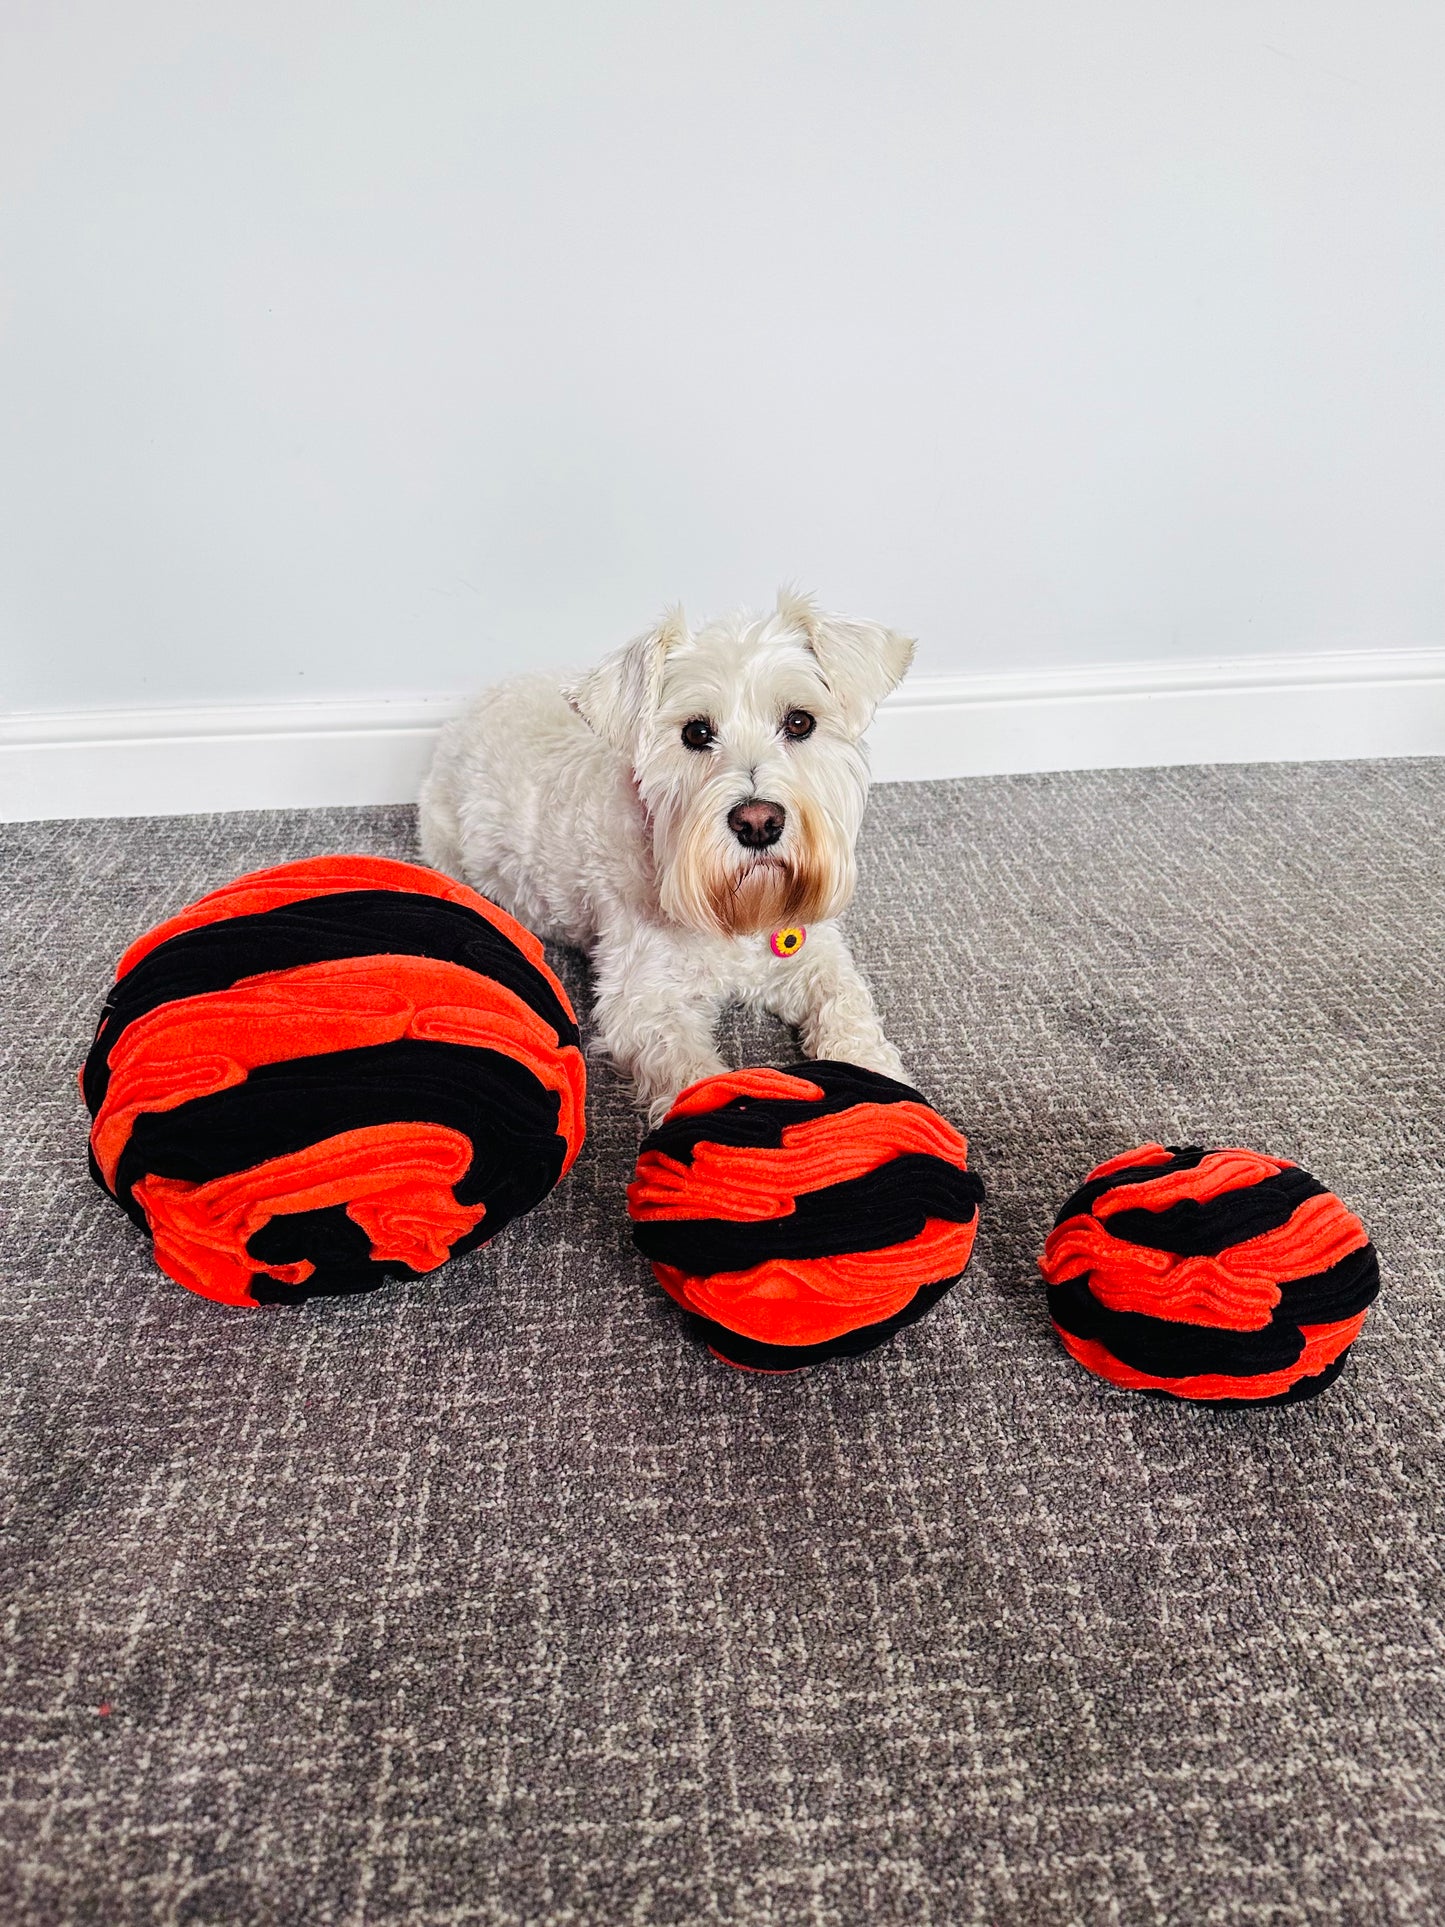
(806, 1301)
(394, 1179)
(711, 1093)
(1221, 1171)
(1323, 1344)
(1236, 1290)
(1128, 1160)
(199, 1045)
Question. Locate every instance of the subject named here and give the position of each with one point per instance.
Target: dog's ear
(618, 696)
(860, 661)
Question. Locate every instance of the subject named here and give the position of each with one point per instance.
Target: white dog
(687, 813)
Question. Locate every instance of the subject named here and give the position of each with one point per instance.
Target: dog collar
(788, 941)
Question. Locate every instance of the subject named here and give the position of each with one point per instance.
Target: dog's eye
(797, 724)
(697, 734)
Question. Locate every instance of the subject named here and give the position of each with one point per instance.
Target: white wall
(349, 349)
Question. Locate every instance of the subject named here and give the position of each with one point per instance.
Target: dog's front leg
(655, 1015)
(821, 990)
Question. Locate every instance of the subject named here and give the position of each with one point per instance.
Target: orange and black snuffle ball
(801, 1214)
(1215, 1275)
(328, 1074)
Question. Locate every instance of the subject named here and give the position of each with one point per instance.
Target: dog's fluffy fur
(579, 807)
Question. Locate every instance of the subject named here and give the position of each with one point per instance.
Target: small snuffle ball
(331, 1073)
(805, 1213)
(1218, 1275)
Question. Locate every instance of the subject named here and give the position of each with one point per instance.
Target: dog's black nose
(757, 825)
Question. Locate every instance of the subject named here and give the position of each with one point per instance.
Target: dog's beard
(765, 894)
(714, 885)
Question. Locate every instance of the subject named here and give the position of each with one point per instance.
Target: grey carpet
(493, 1599)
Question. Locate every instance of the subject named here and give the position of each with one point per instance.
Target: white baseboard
(1264, 709)
(162, 762)
(177, 762)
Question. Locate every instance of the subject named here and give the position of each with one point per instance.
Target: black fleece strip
(339, 1250)
(508, 1116)
(883, 1208)
(759, 1122)
(1168, 1349)
(1183, 1158)
(336, 1245)
(1303, 1388)
(1325, 1297)
(351, 923)
(761, 1357)
(1195, 1229)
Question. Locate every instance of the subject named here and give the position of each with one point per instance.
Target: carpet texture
(494, 1599)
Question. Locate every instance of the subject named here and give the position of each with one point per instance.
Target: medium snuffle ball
(328, 1074)
(800, 1214)
(1216, 1275)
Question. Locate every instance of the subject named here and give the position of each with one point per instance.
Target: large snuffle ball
(1218, 1275)
(799, 1214)
(328, 1074)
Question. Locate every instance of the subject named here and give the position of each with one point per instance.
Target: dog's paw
(867, 1047)
(657, 1095)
